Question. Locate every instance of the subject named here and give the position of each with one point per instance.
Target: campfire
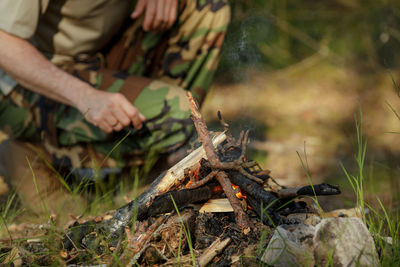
(164, 225)
(218, 169)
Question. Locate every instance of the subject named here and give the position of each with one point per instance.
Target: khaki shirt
(62, 29)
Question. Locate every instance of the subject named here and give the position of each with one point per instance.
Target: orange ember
(192, 175)
(196, 174)
(217, 189)
(189, 183)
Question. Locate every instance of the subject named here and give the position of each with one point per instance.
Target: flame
(188, 183)
(238, 192)
(192, 175)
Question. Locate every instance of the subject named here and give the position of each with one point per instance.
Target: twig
(309, 190)
(204, 137)
(249, 176)
(138, 243)
(202, 131)
(243, 144)
(203, 181)
(242, 219)
(216, 247)
(229, 136)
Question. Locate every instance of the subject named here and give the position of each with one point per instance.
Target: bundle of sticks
(218, 168)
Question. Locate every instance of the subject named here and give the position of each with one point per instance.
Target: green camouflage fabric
(153, 70)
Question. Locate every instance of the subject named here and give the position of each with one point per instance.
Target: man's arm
(22, 61)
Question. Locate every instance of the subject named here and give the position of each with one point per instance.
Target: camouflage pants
(152, 70)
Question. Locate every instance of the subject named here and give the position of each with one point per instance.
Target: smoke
(242, 51)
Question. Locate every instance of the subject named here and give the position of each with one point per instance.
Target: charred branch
(203, 181)
(204, 137)
(241, 217)
(263, 202)
(163, 203)
(309, 190)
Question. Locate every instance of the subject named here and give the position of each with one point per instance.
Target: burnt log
(309, 190)
(263, 202)
(177, 199)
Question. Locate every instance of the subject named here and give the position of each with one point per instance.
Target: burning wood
(218, 168)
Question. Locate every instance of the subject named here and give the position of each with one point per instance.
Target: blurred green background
(277, 34)
(297, 73)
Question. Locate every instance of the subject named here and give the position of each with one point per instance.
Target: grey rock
(291, 245)
(297, 217)
(312, 220)
(344, 242)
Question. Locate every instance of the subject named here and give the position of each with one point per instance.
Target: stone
(297, 217)
(312, 220)
(332, 242)
(353, 212)
(291, 245)
(344, 242)
(304, 218)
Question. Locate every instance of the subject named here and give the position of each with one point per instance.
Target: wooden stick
(203, 181)
(204, 137)
(308, 190)
(216, 247)
(242, 219)
(139, 242)
(202, 131)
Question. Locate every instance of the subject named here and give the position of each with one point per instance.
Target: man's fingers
(159, 14)
(166, 11)
(160, 19)
(142, 117)
(121, 116)
(137, 123)
(139, 8)
(118, 127)
(149, 15)
(134, 115)
(109, 118)
(172, 13)
(105, 127)
(122, 119)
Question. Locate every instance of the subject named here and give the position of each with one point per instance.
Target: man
(94, 85)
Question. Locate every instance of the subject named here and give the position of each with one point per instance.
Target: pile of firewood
(218, 169)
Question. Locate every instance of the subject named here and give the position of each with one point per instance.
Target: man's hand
(110, 111)
(160, 15)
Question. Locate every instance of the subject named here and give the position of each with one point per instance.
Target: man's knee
(160, 99)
